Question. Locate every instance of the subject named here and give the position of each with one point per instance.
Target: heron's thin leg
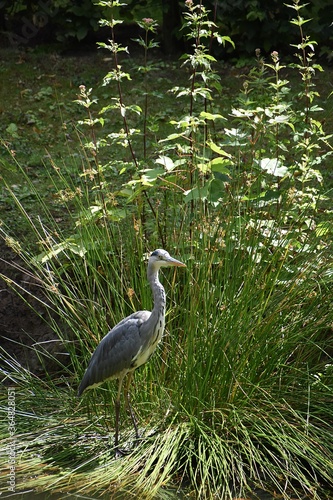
(128, 400)
(117, 410)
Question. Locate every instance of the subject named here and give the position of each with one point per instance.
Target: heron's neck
(158, 294)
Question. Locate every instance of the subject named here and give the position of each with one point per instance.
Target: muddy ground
(24, 332)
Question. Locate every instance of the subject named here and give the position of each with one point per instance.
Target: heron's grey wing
(114, 354)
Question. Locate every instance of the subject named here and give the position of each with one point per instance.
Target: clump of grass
(237, 397)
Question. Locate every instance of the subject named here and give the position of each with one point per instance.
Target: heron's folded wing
(114, 354)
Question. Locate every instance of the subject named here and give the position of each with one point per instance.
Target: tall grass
(238, 395)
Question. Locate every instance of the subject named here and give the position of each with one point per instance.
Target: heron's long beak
(176, 262)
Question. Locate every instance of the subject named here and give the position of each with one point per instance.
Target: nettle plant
(263, 167)
(257, 163)
(277, 146)
(128, 138)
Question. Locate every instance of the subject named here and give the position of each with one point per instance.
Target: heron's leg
(128, 400)
(117, 410)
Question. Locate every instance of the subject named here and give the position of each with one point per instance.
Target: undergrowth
(238, 395)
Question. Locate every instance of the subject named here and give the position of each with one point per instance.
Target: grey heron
(131, 342)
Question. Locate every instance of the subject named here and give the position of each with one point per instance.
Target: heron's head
(161, 258)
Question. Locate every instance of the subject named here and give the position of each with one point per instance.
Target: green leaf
(197, 193)
(273, 166)
(167, 163)
(151, 175)
(116, 214)
(171, 137)
(12, 130)
(222, 40)
(300, 21)
(217, 188)
(81, 32)
(69, 244)
(219, 165)
(211, 116)
(214, 147)
(136, 109)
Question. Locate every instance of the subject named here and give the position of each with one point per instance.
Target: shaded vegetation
(251, 24)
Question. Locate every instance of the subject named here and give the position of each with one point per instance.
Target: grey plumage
(116, 352)
(132, 341)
